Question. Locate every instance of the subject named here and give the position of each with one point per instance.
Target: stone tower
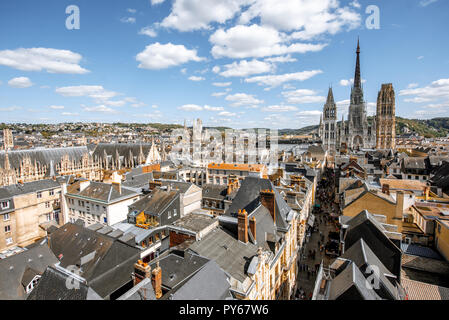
(8, 141)
(329, 134)
(385, 118)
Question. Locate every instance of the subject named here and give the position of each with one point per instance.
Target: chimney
(242, 226)
(268, 201)
(156, 280)
(426, 192)
(386, 189)
(399, 205)
(141, 271)
(84, 184)
(154, 184)
(252, 226)
(117, 186)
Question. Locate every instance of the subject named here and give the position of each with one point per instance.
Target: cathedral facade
(357, 132)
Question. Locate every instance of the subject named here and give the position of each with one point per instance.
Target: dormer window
(5, 204)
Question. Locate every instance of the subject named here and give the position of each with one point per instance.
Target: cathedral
(357, 132)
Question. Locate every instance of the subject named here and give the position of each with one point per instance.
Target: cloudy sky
(238, 63)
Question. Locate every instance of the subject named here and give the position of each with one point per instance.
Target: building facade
(386, 120)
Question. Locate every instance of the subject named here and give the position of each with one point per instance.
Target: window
(48, 216)
(105, 220)
(39, 195)
(51, 192)
(6, 217)
(47, 204)
(5, 204)
(8, 241)
(169, 214)
(174, 213)
(7, 228)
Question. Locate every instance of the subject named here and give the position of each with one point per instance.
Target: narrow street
(323, 224)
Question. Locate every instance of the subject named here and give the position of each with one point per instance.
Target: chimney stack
(426, 192)
(117, 186)
(141, 271)
(386, 189)
(268, 201)
(242, 226)
(252, 226)
(399, 205)
(156, 280)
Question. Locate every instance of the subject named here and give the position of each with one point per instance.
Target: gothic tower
(385, 118)
(329, 134)
(8, 141)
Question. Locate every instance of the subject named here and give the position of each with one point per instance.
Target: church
(358, 132)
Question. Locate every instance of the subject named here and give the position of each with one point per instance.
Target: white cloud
(412, 85)
(219, 94)
(243, 99)
(56, 107)
(130, 10)
(100, 109)
(209, 108)
(70, 114)
(156, 114)
(216, 69)
(188, 15)
(148, 31)
(128, 20)
(420, 57)
(281, 108)
(356, 4)
(436, 90)
(154, 2)
(425, 3)
(196, 78)
(309, 18)
(227, 114)
(309, 113)
(245, 68)
(349, 82)
(20, 82)
(10, 109)
(190, 107)
(255, 41)
(94, 92)
(222, 84)
(303, 96)
(38, 59)
(281, 59)
(160, 56)
(276, 80)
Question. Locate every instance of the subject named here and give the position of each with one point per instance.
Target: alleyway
(308, 265)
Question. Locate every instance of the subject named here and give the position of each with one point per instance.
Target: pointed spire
(330, 97)
(357, 77)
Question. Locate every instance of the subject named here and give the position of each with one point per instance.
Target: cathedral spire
(330, 97)
(357, 78)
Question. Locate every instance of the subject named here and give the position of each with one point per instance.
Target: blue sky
(237, 63)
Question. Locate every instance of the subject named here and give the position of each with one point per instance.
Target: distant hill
(432, 128)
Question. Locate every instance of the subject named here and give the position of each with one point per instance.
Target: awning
(311, 220)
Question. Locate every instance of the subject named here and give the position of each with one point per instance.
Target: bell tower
(385, 118)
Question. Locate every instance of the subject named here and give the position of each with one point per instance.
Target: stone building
(386, 120)
(36, 164)
(357, 131)
(8, 141)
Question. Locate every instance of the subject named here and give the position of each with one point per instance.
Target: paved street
(323, 225)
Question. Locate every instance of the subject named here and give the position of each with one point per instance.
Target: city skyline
(163, 61)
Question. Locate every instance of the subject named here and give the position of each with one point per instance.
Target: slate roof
(350, 285)
(362, 255)
(123, 150)
(214, 191)
(441, 177)
(46, 156)
(100, 191)
(29, 187)
(53, 286)
(176, 268)
(365, 226)
(109, 264)
(420, 251)
(209, 283)
(156, 202)
(12, 270)
(138, 181)
(230, 254)
(248, 198)
(142, 291)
